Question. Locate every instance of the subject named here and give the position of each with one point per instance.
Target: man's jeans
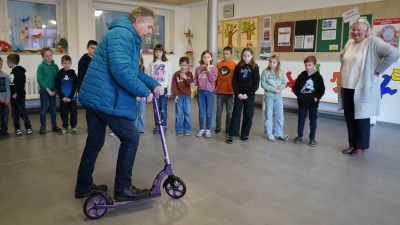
(140, 121)
(205, 101)
(129, 136)
(50, 101)
(183, 115)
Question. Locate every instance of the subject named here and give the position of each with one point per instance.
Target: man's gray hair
(143, 13)
(366, 23)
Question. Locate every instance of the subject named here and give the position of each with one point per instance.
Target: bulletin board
(329, 38)
(346, 29)
(283, 36)
(304, 35)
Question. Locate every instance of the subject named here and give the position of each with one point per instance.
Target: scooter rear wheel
(175, 187)
(90, 207)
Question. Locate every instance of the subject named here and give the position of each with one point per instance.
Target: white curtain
(32, 25)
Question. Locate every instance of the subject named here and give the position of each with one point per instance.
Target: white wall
(198, 23)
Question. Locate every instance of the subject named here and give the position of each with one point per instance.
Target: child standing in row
(161, 70)
(140, 121)
(46, 73)
(205, 77)
(224, 89)
(246, 81)
(181, 82)
(66, 83)
(18, 94)
(309, 89)
(4, 101)
(273, 81)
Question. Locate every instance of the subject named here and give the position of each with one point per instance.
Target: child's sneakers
(313, 143)
(284, 137)
(56, 129)
(74, 131)
(179, 133)
(208, 133)
(217, 130)
(29, 131)
(42, 131)
(111, 133)
(63, 131)
(271, 138)
(200, 134)
(186, 133)
(18, 132)
(229, 140)
(298, 140)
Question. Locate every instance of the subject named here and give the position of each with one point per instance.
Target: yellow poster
(230, 31)
(249, 33)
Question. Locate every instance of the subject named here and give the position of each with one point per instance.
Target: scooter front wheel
(175, 187)
(90, 207)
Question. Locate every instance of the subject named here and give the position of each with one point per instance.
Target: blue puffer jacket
(113, 79)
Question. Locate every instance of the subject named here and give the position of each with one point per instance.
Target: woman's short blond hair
(367, 25)
(143, 13)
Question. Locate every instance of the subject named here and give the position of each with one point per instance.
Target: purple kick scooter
(98, 203)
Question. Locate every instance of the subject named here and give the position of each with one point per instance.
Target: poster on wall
(265, 50)
(249, 33)
(329, 34)
(284, 36)
(267, 29)
(299, 42)
(388, 30)
(351, 16)
(308, 41)
(267, 35)
(329, 24)
(230, 32)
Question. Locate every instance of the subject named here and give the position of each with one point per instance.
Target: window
(105, 17)
(32, 25)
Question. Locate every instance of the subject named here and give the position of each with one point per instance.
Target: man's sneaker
(92, 190)
(313, 143)
(56, 129)
(42, 131)
(179, 133)
(111, 133)
(164, 129)
(156, 130)
(29, 131)
(208, 133)
(217, 130)
(200, 134)
(131, 194)
(18, 132)
(271, 138)
(229, 139)
(186, 133)
(284, 137)
(4, 135)
(141, 131)
(63, 131)
(74, 131)
(298, 140)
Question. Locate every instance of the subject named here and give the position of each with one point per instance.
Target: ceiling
(173, 2)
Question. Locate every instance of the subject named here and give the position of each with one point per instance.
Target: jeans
(248, 112)
(205, 101)
(313, 116)
(47, 101)
(4, 118)
(162, 102)
(18, 111)
(358, 130)
(140, 121)
(129, 136)
(71, 107)
(273, 111)
(183, 115)
(228, 100)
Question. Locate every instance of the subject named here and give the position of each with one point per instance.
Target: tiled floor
(257, 182)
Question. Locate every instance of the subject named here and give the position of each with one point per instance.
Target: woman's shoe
(348, 150)
(357, 152)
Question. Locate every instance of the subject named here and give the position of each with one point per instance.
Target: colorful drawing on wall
(249, 33)
(265, 50)
(237, 53)
(384, 88)
(220, 35)
(396, 75)
(37, 36)
(290, 82)
(220, 53)
(157, 30)
(388, 30)
(23, 33)
(37, 22)
(230, 34)
(148, 40)
(25, 20)
(335, 78)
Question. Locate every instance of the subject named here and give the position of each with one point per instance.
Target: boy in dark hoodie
(18, 94)
(309, 89)
(66, 81)
(85, 60)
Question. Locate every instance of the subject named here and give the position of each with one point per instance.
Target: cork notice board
(278, 47)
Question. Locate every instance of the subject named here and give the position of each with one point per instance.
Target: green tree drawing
(229, 31)
(248, 28)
